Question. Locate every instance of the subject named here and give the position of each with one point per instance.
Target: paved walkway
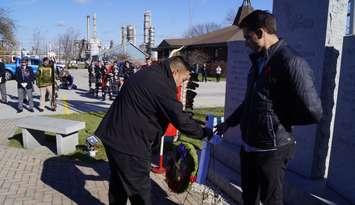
(210, 94)
(40, 177)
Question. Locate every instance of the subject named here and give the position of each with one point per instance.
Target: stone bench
(66, 132)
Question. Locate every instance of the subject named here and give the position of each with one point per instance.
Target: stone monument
(315, 29)
(342, 160)
(316, 35)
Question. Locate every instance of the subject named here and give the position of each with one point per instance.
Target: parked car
(11, 67)
(73, 64)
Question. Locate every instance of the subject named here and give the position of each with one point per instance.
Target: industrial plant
(92, 45)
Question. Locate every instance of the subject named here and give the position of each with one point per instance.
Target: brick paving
(39, 177)
(7, 129)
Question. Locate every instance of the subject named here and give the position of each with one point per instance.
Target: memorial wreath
(181, 168)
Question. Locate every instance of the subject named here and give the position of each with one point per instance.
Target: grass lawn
(92, 120)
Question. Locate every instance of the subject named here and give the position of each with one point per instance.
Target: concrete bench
(66, 131)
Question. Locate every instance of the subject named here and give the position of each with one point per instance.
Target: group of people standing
(25, 79)
(204, 72)
(109, 76)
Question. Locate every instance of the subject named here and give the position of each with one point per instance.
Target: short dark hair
(45, 59)
(259, 19)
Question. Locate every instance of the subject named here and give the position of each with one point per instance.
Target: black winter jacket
(140, 114)
(281, 95)
(29, 78)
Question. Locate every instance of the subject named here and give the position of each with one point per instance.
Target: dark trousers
(21, 95)
(204, 77)
(129, 179)
(218, 77)
(106, 90)
(263, 175)
(97, 87)
(3, 92)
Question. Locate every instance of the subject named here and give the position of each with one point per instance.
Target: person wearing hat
(24, 77)
(2, 82)
(135, 123)
(45, 82)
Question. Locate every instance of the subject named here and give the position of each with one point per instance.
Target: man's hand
(207, 132)
(24, 85)
(221, 128)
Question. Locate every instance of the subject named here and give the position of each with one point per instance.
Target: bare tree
(197, 56)
(200, 29)
(230, 16)
(67, 42)
(7, 30)
(121, 57)
(37, 42)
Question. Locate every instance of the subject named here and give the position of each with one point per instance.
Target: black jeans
(263, 175)
(129, 179)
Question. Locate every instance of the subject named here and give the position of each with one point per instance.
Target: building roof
(243, 11)
(224, 35)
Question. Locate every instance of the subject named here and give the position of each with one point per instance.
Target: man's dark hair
(259, 19)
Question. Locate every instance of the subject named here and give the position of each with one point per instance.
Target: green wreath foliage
(181, 168)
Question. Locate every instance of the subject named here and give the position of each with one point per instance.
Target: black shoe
(40, 110)
(19, 111)
(31, 110)
(53, 109)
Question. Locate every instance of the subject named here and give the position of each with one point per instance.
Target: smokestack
(151, 38)
(134, 35)
(94, 26)
(87, 28)
(151, 42)
(147, 25)
(131, 34)
(123, 35)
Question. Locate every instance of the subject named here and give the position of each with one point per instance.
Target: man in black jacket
(2, 82)
(136, 120)
(280, 93)
(24, 77)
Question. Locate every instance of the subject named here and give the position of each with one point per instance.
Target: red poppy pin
(267, 71)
